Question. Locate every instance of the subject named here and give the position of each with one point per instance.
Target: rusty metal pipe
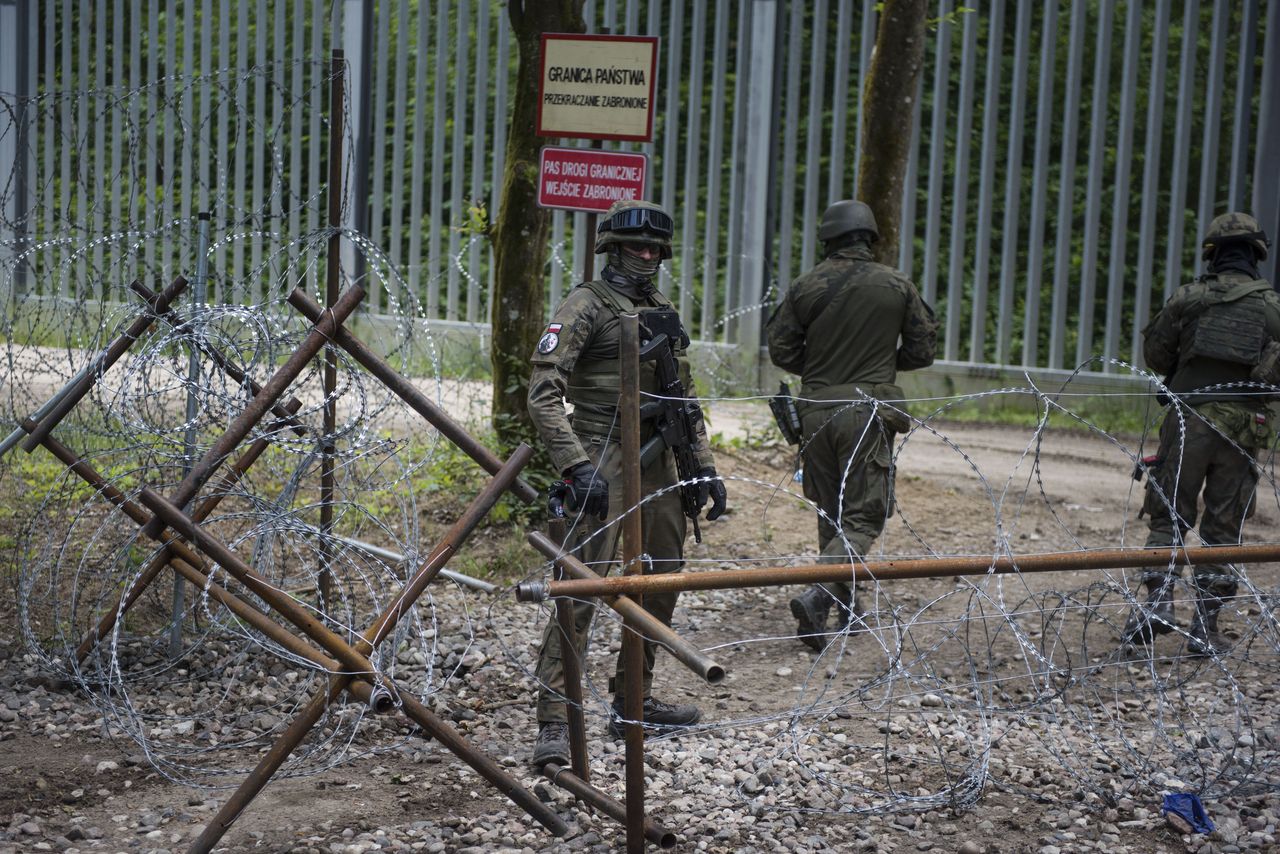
(632, 548)
(385, 623)
(114, 351)
(648, 625)
(285, 411)
(571, 662)
(271, 392)
(416, 400)
(891, 570)
(612, 807)
(161, 559)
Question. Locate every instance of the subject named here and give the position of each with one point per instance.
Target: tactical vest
(1222, 339)
(594, 383)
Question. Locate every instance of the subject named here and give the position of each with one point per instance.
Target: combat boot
(552, 744)
(810, 609)
(658, 715)
(849, 612)
(1153, 617)
(1204, 638)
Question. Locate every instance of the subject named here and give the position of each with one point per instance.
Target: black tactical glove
(711, 487)
(588, 491)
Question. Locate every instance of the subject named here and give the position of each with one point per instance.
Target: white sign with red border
(588, 179)
(597, 86)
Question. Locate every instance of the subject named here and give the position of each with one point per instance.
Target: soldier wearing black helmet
(1217, 340)
(576, 362)
(847, 327)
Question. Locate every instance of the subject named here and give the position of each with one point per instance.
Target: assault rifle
(675, 417)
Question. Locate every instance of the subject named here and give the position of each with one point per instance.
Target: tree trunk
(521, 233)
(887, 113)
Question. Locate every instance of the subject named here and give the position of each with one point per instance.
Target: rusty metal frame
(353, 671)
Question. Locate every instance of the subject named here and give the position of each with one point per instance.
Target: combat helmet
(844, 217)
(635, 221)
(1233, 227)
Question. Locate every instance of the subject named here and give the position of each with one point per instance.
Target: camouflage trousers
(848, 474)
(1211, 451)
(596, 544)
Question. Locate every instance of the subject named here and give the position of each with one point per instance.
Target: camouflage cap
(635, 221)
(1233, 227)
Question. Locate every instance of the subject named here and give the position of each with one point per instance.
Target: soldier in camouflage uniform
(839, 328)
(1217, 340)
(577, 362)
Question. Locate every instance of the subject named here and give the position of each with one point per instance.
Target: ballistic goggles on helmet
(638, 219)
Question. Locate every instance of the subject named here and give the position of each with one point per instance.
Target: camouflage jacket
(576, 362)
(839, 324)
(1211, 333)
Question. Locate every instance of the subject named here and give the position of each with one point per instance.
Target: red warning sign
(587, 179)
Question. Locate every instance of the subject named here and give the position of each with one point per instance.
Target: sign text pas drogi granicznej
(586, 179)
(597, 87)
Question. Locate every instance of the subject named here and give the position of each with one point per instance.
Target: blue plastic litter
(1188, 806)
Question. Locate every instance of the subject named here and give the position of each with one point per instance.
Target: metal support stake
(199, 295)
(632, 546)
(333, 273)
(572, 664)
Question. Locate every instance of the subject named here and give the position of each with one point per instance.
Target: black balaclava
(1237, 256)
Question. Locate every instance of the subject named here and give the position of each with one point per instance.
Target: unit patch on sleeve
(551, 339)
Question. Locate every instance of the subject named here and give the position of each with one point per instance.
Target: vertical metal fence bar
(558, 253)
(1118, 273)
(1066, 188)
(381, 209)
(293, 185)
(457, 164)
(1266, 174)
(437, 225)
(813, 131)
(96, 170)
(671, 126)
(1093, 188)
(240, 145)
(653, 27)
(986, 179)
(1245, 56)
(204, 107)
(479, 151)
(937, 151)
(1212, 121)
(1013, 184)
(693, 148)
(49, 143)
(115, 181)
(418, 152)
(1040, 185)
(732, 290)
(259, 144)
(1145, 278)
(956, 265)
(399, 103)
(715, 160)
(319, 74)
(1181, 147)
(906, 237)
(866, 44)
(69, 82)
(839, 101)
(223, 178)
(787, 212)
(759, 104)
(500, 108)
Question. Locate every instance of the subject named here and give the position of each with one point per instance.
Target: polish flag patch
(550, 339)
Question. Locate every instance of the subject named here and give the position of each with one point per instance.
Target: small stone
(29, 828)
(106, 765)
(970, 847)
(1178, 823)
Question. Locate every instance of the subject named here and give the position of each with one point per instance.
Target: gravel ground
(974, 716)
